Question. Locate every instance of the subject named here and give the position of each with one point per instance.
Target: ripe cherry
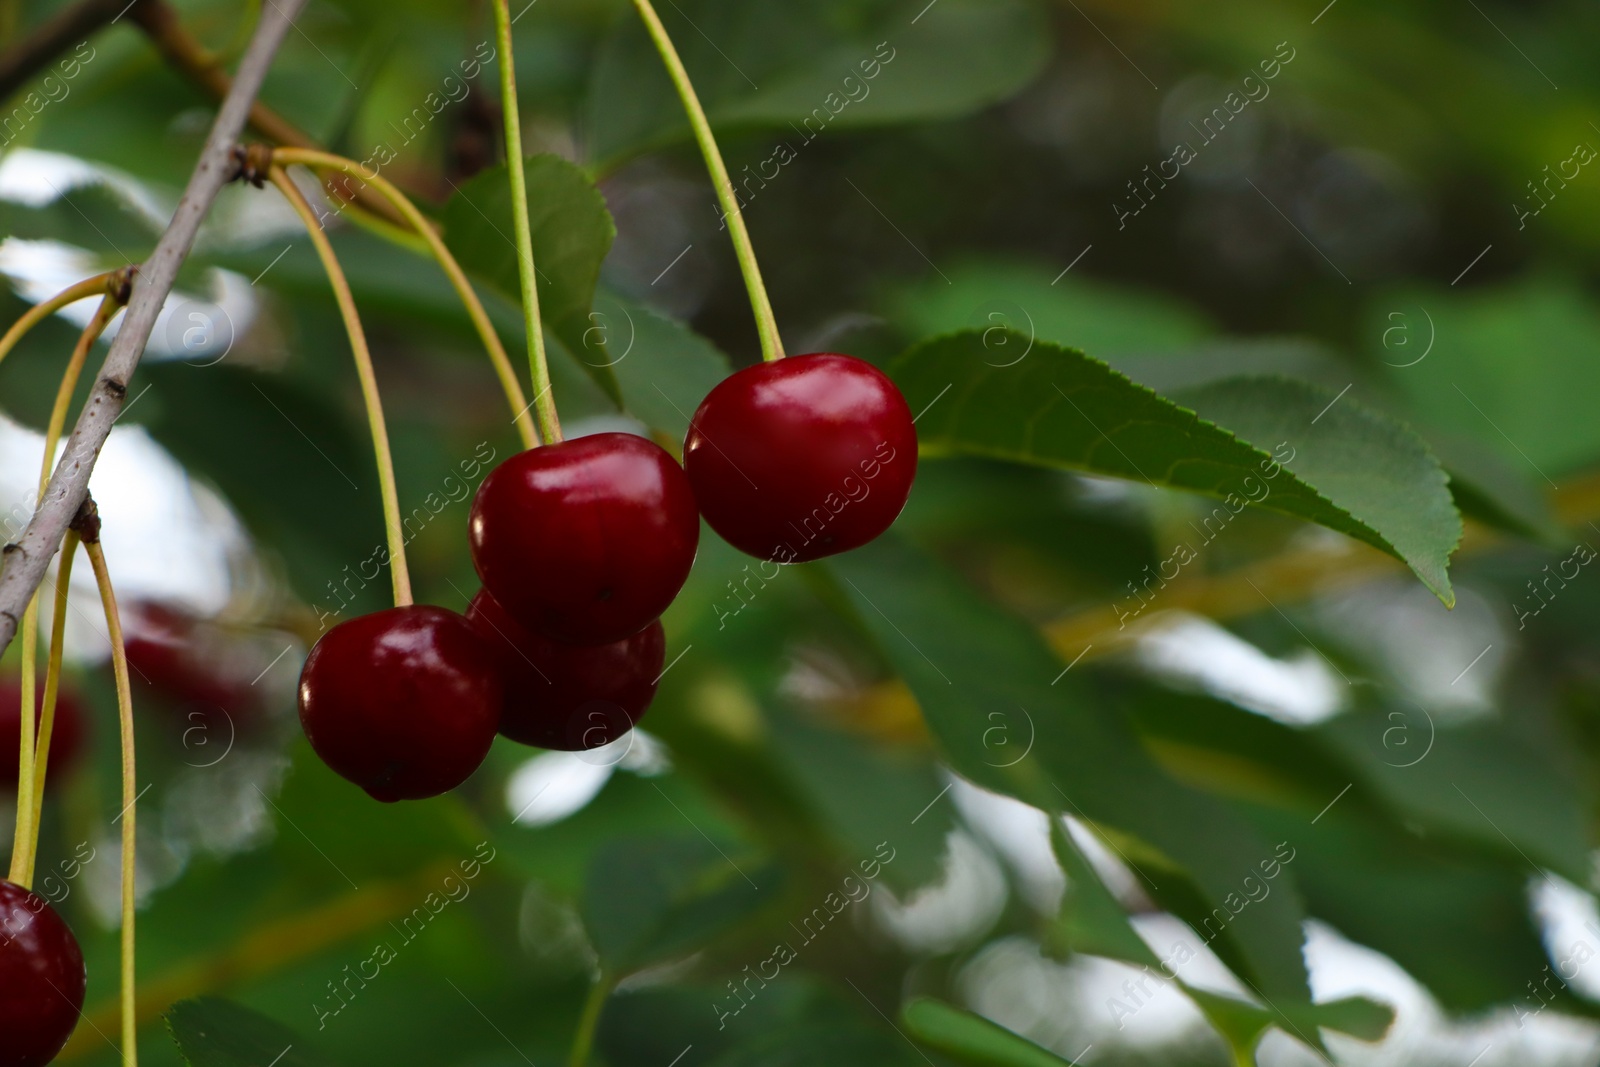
(66, 737)
(802, 457)
(586, 541)
(402, 702)
(41, 979)
(569, 697)
(189, 663)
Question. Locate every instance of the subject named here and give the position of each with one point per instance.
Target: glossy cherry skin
(402, 702)
(586, 541)
(802, 457)
(66, 736)
(41, 979)
(569, 697)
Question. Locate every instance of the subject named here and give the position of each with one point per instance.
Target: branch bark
(189, 57)
(27, 560)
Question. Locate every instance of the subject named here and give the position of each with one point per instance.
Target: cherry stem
(109, 306)
(369, 384)
(52, 689)
(544, 401)
(588, 1021)
(130, 798)
(732, 214)
(93, 286)
(24, 830)
(458, 280)
(30, 771)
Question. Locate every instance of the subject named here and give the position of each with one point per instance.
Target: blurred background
(1393, 201)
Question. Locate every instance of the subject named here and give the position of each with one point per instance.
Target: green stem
(20, 860)
(34, 745)
(766, 323)
(52, 688)
(544, 403)
(393, 531)
(589, 1021)
(119, 666)
(432, 245)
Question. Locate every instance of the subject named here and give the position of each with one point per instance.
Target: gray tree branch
(26, 561)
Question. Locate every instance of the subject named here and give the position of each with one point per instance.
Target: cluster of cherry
(581, 545)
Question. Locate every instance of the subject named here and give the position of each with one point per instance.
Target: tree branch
(67, 27)
(190, 58)
(194, 61)
(160, 23)
(25, 564)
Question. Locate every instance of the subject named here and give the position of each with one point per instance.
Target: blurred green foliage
(1351, 265)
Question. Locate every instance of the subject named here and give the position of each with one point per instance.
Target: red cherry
(189, 663)
(802, 457)
(588, 540)
(402, 702)
(41, 979)
(66, 737)
(569, 697)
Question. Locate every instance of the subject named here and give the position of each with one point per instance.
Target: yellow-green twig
(130, 797)
(766, 322)
(35, 735)
(543, 401)
(83, 290)
(447, 262)
(369, 384)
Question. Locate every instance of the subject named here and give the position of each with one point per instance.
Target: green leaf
(848, 1045)
(646, 901)
(973, 667)
(1242, 1024)
(1092, 921)
(997, 394)
(1097, 316)
(572, 232)
(1375, 470)
(319, 837)
(270, 443)
(1497, 492)
(1458, 924)
(1511, 788)
(663, 368)
(868, 795)
(1469, 387)
(800, 68)
(1356, 1016)
(970, 1038)
(219, 1033)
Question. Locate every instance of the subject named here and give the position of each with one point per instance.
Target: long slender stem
(109, 306)
(47, 714)
(30, 755)
(185, 54)
(93, 286)
(25, 566)
(25, 749)
(447, 262)
(369, 385)
(588, 1021)
(130, 797)
(544, 402)
(766, 323)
